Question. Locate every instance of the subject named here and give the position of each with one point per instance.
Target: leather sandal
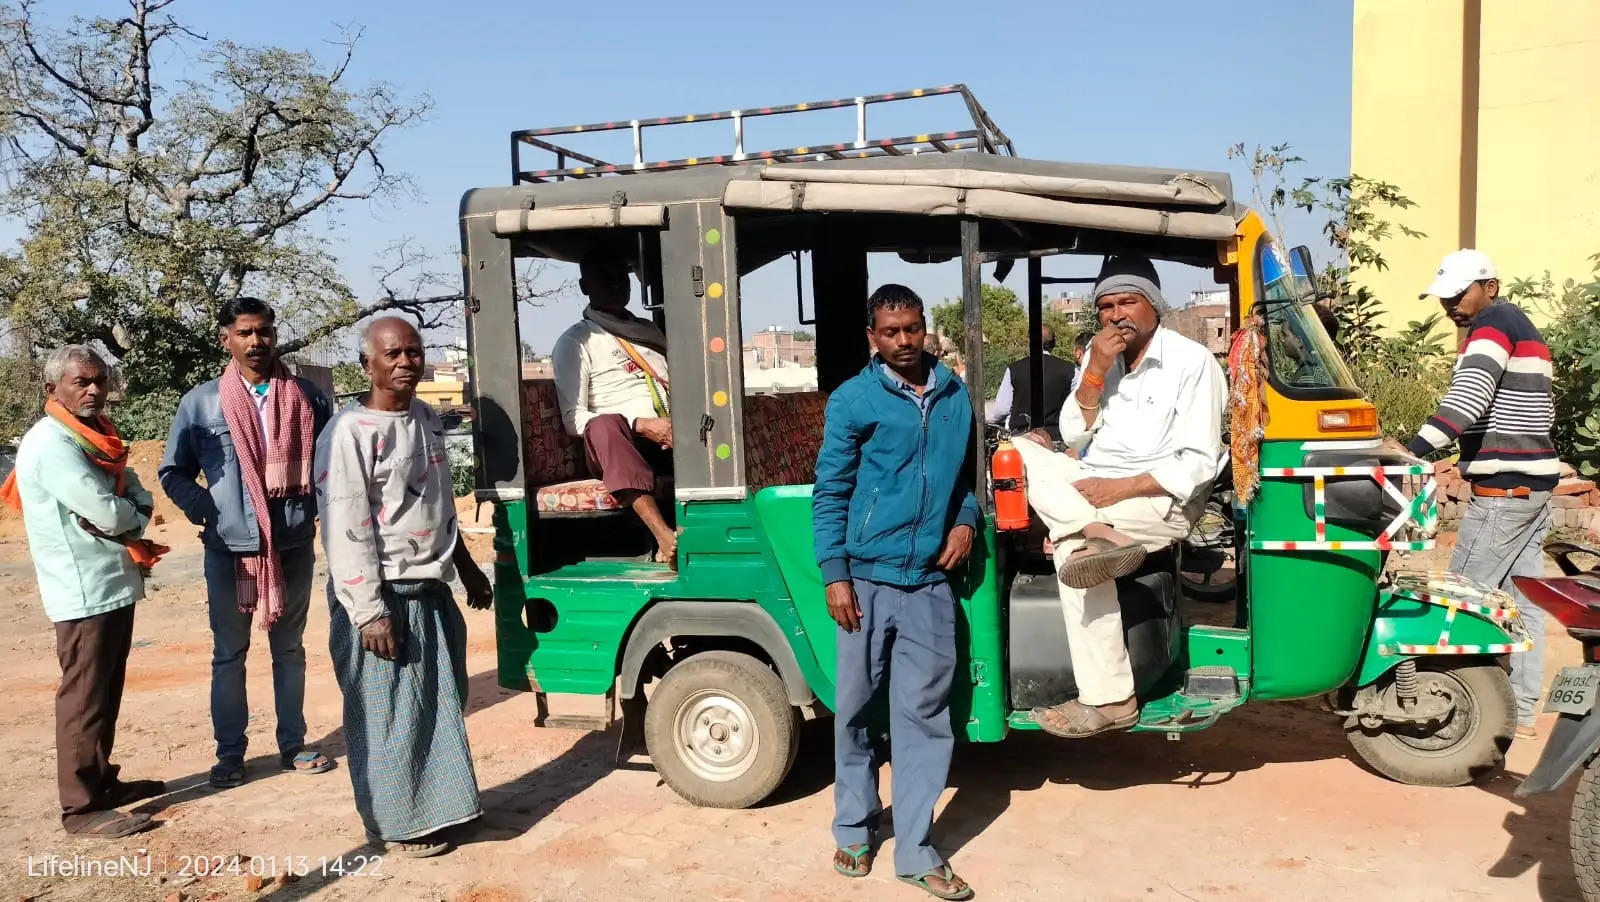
(1105, 561)
(112, 825)
(1075, 720)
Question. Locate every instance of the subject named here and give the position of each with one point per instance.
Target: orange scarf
(105, 449)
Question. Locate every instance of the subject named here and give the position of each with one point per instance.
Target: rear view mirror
(1305, 272)
(1300, 262)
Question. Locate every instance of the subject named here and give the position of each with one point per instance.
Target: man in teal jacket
(893, 514)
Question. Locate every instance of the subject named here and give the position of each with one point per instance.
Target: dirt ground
(1267, 805)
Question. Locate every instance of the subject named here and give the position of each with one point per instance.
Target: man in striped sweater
(1499, 409)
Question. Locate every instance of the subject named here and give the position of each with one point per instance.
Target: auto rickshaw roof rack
(984, 137)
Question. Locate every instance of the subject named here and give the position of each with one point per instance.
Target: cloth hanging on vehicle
(658, 386)
(625, 325)
(1247, 411)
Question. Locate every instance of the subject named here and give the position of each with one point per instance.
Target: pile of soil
(170, 527)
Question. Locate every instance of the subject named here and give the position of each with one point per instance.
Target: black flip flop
(226, 776)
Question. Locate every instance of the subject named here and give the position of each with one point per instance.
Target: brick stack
(1575, 505)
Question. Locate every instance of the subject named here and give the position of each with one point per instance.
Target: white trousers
(1100, 663)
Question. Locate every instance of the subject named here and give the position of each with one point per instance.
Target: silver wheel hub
(717, 736)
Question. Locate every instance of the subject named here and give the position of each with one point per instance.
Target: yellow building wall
(1537, 191)
(1539, 137)
(442, 394)
(1405, 128)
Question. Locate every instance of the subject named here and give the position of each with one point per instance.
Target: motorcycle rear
(1574, 743)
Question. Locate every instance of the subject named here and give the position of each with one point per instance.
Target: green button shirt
(80, 575)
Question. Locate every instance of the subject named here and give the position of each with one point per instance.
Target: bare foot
(667, 549)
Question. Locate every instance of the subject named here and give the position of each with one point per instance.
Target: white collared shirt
(1164, 418)
(595, 377)
(260, 397)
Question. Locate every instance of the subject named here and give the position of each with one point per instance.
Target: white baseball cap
(1458, 271)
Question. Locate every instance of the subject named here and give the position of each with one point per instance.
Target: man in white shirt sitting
(611, 378)
(1146, 420)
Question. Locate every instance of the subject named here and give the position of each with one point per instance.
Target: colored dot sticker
(713, 237)
(720, 398)
(724, 452)
(718, 345)
(714, 290)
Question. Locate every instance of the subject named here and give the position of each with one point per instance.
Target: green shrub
(1573, 334)
(146, 416)
(463, 468)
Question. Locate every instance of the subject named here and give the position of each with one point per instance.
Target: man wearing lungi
(398, 640)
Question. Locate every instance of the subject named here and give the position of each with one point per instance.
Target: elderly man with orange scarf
(252, 434)
(85, 514)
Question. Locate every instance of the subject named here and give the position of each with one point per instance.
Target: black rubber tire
(1224, 590)
(1474, 757)
(1584, 834)
(753, 685)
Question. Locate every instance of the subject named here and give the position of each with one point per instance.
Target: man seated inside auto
(611, 379)
(1146, 415)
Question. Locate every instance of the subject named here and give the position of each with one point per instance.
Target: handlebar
(1563, 552)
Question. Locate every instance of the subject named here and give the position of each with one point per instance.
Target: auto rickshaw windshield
(1302, 354)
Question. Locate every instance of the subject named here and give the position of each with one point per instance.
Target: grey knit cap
(1136, 274)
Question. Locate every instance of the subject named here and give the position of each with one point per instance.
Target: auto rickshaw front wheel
(1466, 745)
(721, 730)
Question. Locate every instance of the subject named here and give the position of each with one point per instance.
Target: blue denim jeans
(230, 641)
(1501, 538)
(907, 637)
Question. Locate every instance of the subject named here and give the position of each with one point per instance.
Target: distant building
(1206, 323)
(538, 368)
(1076, 308)
(775, 346)
(448, 371)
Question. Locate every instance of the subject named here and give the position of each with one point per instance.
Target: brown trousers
(622, 460)
(94, 660)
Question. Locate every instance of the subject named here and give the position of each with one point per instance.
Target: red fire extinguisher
(1010, 489)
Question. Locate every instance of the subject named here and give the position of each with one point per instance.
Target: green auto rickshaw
(714, 661)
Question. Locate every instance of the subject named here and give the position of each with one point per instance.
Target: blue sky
(1160, 83)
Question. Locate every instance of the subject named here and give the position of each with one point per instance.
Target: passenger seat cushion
(578, 496)
(549, 454)
(783, 434)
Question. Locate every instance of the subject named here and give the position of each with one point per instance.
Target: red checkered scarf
(281, 470)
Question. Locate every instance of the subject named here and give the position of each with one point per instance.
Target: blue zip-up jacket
(890, 481)
(201, 443)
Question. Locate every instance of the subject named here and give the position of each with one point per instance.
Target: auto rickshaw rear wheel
(1468, 746)
(721, 731)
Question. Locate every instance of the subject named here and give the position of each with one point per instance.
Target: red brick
(1568, 502)
(1574, 487)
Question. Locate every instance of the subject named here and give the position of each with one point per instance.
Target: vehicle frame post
(972, 335)
(1035, 342)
